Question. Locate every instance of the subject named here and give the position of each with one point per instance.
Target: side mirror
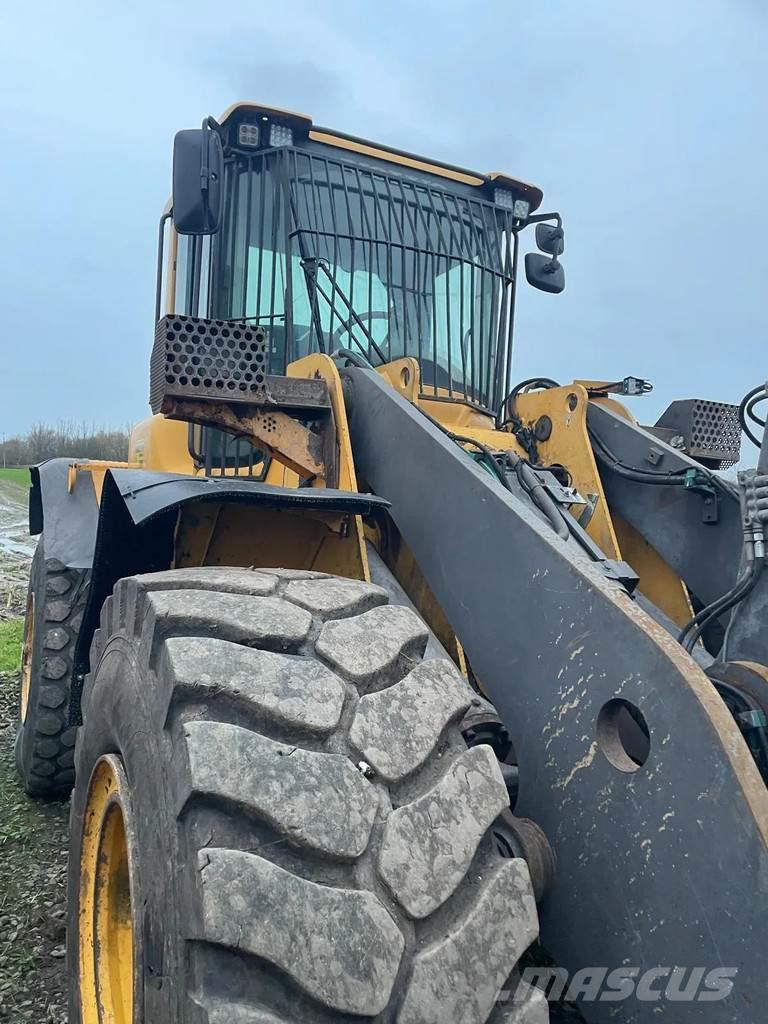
(198, 172)
(550, 238)
(545, 274)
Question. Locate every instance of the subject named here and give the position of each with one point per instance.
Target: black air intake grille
(215, 359)
(710, 430)
(716, 430)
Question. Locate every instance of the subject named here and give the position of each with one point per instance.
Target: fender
(132, 529)
(70, 519)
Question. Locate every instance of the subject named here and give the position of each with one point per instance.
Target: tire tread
(43, 739)
(286, 875)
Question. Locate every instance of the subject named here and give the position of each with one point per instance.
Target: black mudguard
(70, 519)
(132, 530)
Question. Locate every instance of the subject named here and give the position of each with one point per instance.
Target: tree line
(66, 439)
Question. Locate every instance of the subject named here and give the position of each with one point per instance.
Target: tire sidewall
(124, 716)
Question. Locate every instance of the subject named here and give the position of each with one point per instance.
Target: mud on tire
(311, 831)
(44, 739)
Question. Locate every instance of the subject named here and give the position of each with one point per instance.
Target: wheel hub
(26, 656)
(105, 952)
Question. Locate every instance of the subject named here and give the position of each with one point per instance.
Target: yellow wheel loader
(372, 668)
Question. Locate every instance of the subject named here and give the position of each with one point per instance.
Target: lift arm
(556, 645)
(696, 529)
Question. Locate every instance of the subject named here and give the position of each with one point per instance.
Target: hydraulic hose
(693, 630)
(538, 494)
(606, 456)
(747, 411)
(529, 482)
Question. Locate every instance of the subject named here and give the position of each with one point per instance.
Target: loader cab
(337, 245)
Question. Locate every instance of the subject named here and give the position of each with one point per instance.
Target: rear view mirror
(545, 274)
(198, 171)
(550, 238)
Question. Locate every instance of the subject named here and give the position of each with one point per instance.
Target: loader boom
(555, 644)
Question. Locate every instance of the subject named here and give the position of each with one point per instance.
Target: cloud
(643, 124)
(276, 82)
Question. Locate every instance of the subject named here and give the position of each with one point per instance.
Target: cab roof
(303, 124)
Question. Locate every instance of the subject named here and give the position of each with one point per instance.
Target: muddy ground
(16, 549)
(32, 834)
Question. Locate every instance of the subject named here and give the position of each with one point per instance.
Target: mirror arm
(209, 123)
(538, 218)
(205, 171)
(160, 252)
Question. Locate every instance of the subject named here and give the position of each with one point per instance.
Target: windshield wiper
(310, 265)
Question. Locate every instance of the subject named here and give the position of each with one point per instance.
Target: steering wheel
(375, 314)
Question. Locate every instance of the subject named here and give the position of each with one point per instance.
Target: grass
(11, 633)
(16, 475)
(33, 836)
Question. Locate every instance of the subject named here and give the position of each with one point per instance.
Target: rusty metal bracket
(307, 450)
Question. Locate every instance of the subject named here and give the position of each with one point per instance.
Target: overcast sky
(644, 123)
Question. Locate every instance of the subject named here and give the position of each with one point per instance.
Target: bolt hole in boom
(623, 735)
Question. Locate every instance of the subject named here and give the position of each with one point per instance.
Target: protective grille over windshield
(329, 255)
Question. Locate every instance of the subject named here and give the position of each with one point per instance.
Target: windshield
(329, 255)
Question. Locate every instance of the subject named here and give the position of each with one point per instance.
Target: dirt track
(16, 549)
(32, 834)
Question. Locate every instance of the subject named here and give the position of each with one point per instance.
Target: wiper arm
(310, 265)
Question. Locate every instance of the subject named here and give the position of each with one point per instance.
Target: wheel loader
(388, 688)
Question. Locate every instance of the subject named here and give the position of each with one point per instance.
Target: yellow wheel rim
(26, 656)
(105, 911)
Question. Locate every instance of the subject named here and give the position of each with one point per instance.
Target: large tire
(44, 740)
(310, 832)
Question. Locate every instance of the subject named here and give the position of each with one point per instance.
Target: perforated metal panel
(710, 430)
(716, 429)
(219, 359)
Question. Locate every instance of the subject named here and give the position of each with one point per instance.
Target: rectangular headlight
(520, 207)
(248, 134)
(503, 197)
(279, 135)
